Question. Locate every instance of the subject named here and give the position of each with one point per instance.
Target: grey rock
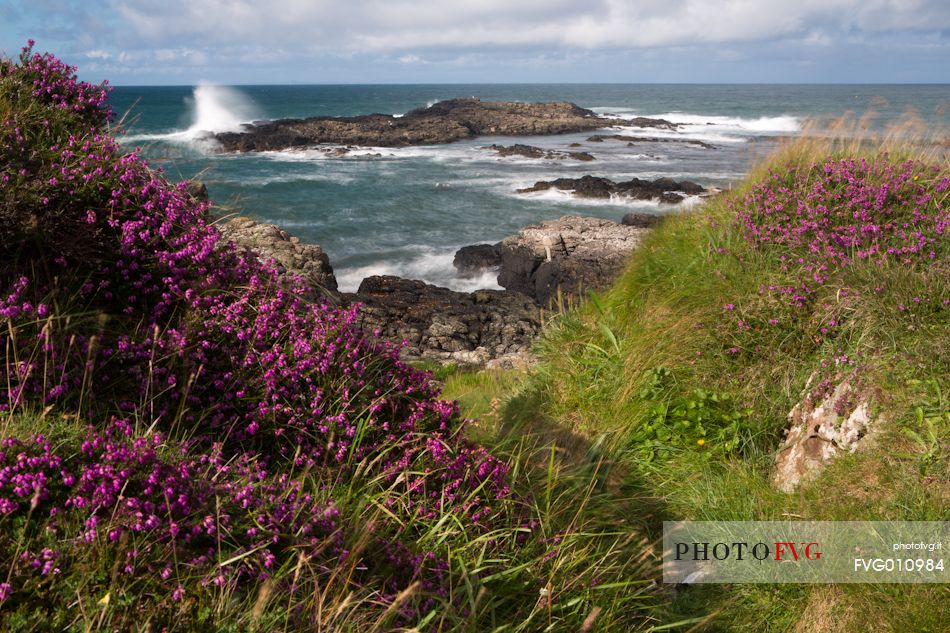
(573, 254)
(470, 261)
(642, 220)
(271, 242)
(837, 423)
(444, 325)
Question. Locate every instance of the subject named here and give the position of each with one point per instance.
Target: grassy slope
(666, 312)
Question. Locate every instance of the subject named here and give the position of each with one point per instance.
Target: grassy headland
(188, 444)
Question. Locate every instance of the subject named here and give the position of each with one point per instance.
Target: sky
(184, 42)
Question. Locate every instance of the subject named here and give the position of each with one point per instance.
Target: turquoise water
(405, 211)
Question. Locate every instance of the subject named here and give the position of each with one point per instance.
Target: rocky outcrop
(831, 420)
(270, 241)
(530, 151)
(440, 324)
(573, 254)
(642, 121)
(443, 122)
(634, 140)
(471, 261)
(662, 189)
(641, 220)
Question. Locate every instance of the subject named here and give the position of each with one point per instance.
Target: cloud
(394, 25)
(323, 40)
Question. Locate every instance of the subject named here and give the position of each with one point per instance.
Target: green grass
(665, 315)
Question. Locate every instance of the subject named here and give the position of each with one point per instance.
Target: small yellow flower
(104, 600)
(916, 177)
(701, 442)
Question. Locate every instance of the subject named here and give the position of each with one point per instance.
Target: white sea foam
(784, 123)
(437, 153)
(567, 196)
(262, 181)
(430, 265)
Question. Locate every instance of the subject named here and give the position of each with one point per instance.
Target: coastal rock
(634, 140)
(530, 151)
(197, 190)
(442, 122)
(662, 189)
(642, 220)
(820, 431)
(444, 325)
(642, 121)
(270, 241)
(471, 261)
(573, 254)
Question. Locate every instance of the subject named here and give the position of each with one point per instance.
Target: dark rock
(443, 122)
(269, 241)
(573, 254)
(642, 121)
(197, 190)
(641, 220)
(471, 261)
(444, 325)
(530, 151)
(633, 140)
(663, 189)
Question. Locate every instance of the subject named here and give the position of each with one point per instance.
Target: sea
(405, 211)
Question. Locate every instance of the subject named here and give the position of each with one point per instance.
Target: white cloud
(398, 25)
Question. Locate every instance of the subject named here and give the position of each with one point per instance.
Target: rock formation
(443, 122)
(573, 253)
(821, 428)
(662, 189)
(471, 261)
(270, 241)
(447, 326)
(633, 140)
(530, 151)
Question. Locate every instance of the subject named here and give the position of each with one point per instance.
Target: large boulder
(573, 254)
(269, 241)
(471, 261)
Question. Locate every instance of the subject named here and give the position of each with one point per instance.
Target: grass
(666, 314)
(663, 398)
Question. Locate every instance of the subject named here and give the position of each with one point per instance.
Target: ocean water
(406, 211)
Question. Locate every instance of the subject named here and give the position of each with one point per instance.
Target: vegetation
(186, 443)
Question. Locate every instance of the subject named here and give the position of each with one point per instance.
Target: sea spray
(219, 109)
(211, 109)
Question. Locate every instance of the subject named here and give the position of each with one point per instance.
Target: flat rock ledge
(663, 189)
(443, 122)
(570, 255)
(821, 428)
(636, 140)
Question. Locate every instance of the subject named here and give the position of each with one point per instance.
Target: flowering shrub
(119, 302)
(848, 209)
(818, 222)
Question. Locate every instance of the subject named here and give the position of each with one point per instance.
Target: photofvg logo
(779, 551)
(804, 551)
